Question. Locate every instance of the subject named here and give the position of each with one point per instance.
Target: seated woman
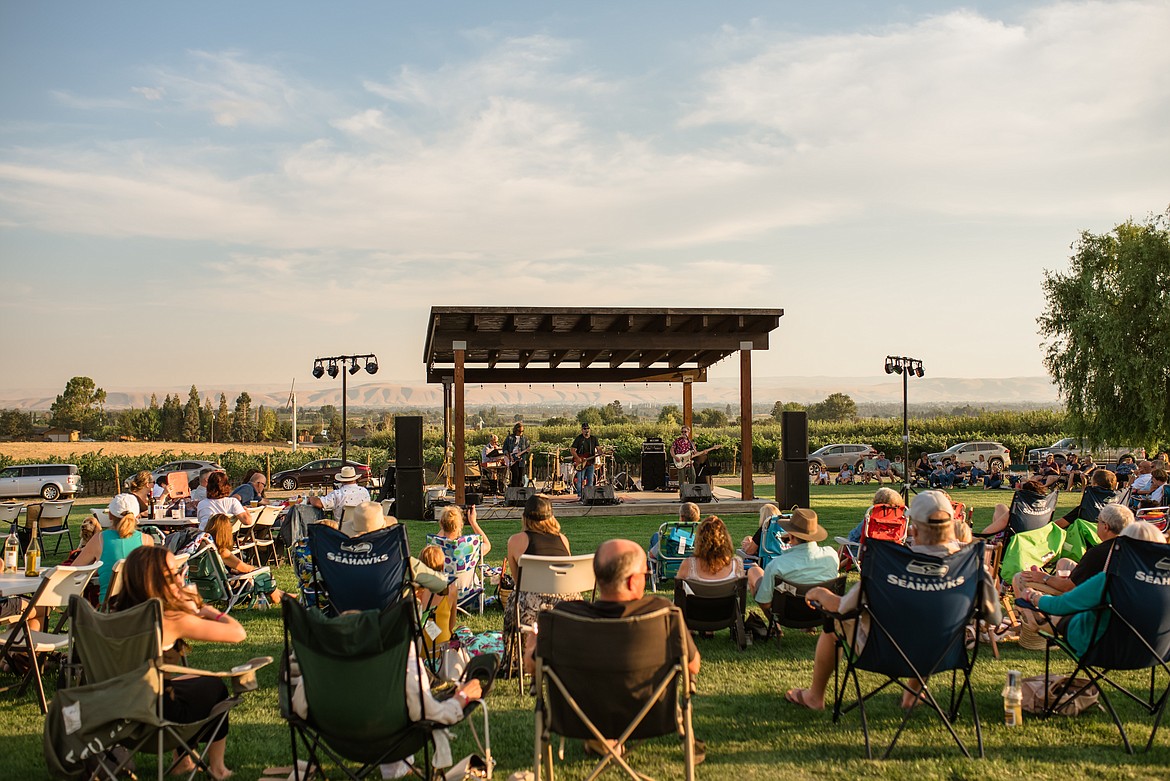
(822, 476)
(220, 500)
(751, 545)
(540, 536)
(713, 557)
(1049, 473)
(1079, 604)
(883, 496)
(1157, 497)
(994, 478)
(443, 604)
(845, 476)
(219, 527)
(116, 543)
(999, 518)
(153, 573)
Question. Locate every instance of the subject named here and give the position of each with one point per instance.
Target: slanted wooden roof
(579, 344)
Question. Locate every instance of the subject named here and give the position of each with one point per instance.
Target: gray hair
(888, 496)
(1116, 517)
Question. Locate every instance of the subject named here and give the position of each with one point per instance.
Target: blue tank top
(114, 549)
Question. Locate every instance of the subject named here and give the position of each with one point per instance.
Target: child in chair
(219, 526)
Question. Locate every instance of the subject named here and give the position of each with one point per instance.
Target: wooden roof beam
(526, 358)
(652, 357)
(679, 358)
(588, 357)
(618, 357)
(566, 373)
(677, 340)
(555, 357)
(493, 358)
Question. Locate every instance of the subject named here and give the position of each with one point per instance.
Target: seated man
(933, 529)
(252, 489)
(620, 569)
(805, 562)
(347, 494)
(885, 468)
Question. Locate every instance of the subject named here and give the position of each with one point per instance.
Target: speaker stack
(598, 494)
(515, 496)
(410, 496)
(699, 493)
(792, 469)
(653, 464)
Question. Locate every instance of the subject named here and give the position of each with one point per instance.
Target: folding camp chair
(773, 539)
(21, 646)
(790, 610)
(369, 572)
(708, 606)
(917, 608)
(54, 522)
(260, 538)
(563, 575)
(881, 522)
(115, 586)
(210, 576)
(245, 544)
(1093, 500)
(676, 539)
(121, 700)
(1132, 631)
(615, 679)
(1029, 511)
(463, 566)
(1034, 548)
(332, 665)
(1159, 516)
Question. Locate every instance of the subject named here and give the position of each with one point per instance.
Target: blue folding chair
(369, 572)
(1030, 511)
(918, 608)
(1132, 631)
(676, 541)
(773, 539)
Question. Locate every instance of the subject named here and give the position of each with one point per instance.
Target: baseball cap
(929, 503)
(122, 504)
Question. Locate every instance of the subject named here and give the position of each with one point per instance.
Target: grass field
(740, 712)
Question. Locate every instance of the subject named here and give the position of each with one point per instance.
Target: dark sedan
(323, 471)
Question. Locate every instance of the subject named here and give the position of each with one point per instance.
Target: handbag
(453, 663)
(1076, 694)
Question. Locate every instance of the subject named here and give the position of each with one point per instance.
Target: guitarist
(682, 447)
(583, 450)
(516, 446)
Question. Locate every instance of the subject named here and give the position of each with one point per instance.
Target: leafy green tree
(79, 405)
(836, 407)
(265, 424)
(590, 415)
(711, 417)
(1104, 333)
(223, 421)
(781, 407)
(206, 419)
(172, 418)
(15, 424)
(670, 415)
(242, 418)
(142, 424)
(191, 427)
(613, 413)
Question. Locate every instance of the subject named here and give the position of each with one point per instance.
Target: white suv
(49, 481)
(968, 452)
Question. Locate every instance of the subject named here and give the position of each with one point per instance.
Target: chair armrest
(251, 574)
(243, 677)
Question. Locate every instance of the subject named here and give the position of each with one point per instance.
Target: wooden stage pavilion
(554, 345)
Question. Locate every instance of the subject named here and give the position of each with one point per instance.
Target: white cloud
(150, 93)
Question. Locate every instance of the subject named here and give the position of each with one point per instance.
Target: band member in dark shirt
(584, 451)
(516, 448)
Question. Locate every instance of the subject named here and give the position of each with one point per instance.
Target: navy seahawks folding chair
(1132, 631)
(918, 608)
(360, 573)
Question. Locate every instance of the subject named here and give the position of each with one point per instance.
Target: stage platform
(726, 502)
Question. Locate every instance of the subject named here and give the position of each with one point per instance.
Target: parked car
(993, 453)
(1070, 446)
(323, 471)
(48, 481)
(192, 468)
(836, 456)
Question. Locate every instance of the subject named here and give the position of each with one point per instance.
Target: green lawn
(750, 731)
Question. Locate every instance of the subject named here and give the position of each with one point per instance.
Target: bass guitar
(683, 460)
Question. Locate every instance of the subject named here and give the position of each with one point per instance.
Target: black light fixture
(907, 367)
(345, 365)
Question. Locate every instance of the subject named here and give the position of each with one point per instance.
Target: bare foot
(804, 698)
(220, 773)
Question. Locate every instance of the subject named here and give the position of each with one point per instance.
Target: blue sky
(260, 183)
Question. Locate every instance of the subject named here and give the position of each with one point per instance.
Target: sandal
(797, 697)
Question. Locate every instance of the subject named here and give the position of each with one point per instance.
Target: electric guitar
(516, 454)
(683, 460)
(580, 462)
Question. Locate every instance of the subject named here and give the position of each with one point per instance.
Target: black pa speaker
(653, 470)
(515, 496)
(410, 496)
(598, 494)
(435, 509)
(794, 436)
(791, 484)
(408, 441)
(472, 498)
(699, 493)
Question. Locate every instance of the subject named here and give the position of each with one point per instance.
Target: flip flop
(796, 697)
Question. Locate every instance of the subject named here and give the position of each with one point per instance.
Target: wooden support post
(747, 489)
(457, 457)
(688, 384)
(448, 450)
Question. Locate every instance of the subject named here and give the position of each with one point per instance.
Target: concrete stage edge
(631, 503)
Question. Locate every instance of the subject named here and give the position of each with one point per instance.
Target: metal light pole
(897, 364)
(345, 365)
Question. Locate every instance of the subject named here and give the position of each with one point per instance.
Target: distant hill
(721, 391)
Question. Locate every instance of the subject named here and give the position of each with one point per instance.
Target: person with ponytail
(115, 543)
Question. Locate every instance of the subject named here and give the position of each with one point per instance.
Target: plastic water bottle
(12, 551)
(1013, 700)
(182, 508)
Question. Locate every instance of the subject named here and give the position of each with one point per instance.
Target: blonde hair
(688, 512)
(140, 481)
(219, 526)
(766, 513)
(126, 525)
(889, 496)
(432, 556)
(451, 521)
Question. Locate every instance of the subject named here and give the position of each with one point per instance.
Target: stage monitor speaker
(435, 509)
(410, 497)
(408, 441)
(699, 493)
(470, 498)
(791, 484)
(653, 471)
(598, 494)
(794, 436)
(514, 496)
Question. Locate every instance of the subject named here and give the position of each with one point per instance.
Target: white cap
(122, 504)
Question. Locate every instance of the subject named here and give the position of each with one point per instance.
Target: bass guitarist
(584, 451)
(684, 453)
(516, 447)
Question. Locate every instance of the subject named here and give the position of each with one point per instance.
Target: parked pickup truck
(1070, 446)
